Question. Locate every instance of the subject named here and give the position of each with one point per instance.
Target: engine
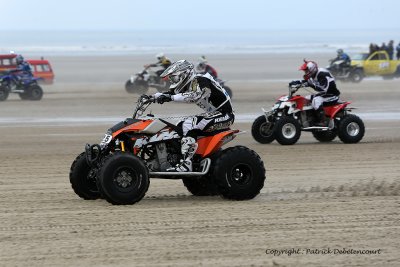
(167, 154)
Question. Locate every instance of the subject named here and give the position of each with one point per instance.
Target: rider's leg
(188, 145)
(193, 126)
(319, 110)
(188, 149)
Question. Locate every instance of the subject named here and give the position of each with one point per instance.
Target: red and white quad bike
(292, 114)
(118, 169)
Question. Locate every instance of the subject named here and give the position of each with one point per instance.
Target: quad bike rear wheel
(263, 130)
(136, 87)
(35, 92)
(200, 186)
(351, 129)
(124, 179)
(83, 178)
(24, 96)
(287, 131)
(240, 174)
(229, 91)
(205, 185)
(324, 136)
(357, 76)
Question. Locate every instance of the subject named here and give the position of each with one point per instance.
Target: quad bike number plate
(107, 139)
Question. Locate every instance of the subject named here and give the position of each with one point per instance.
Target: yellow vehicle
(377, 64)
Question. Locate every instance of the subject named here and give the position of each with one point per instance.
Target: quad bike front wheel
(287, 131)
(351, 129)
(124, 179)
(83, 178)
(263, 130)
(3, 93)
(240, 174)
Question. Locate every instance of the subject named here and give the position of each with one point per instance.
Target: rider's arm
(154, 65)
(320, 84)
(190, 96)
(212, 71)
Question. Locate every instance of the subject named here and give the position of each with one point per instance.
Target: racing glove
(295, 83)
(163, 98)
(305, 83)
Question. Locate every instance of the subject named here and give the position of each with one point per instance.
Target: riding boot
(320, 116)
(188, 149)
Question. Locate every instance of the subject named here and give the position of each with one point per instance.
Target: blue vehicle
(25, 85)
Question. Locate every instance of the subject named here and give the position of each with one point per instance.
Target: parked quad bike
(26, 87)
(293, 114)
(345, 73)
(142, 147)
(142, 81)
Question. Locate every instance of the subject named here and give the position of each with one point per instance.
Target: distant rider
(205, 92)
(322, 81)
(342, 56)
(203, 68)
(162, 61)
(23, 69)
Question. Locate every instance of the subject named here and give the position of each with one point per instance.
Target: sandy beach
(316, 196)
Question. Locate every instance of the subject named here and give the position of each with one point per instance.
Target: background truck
(377, 64)
(41, 68)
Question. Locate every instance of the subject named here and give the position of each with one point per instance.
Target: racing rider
(22, 71)
(342, 56)
(322, 81)
(203, 67)
(162, 61)
(202, 90)
(23, 67)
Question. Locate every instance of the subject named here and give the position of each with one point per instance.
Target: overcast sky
(204, 14)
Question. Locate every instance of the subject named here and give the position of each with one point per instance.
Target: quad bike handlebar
(143, 103)
(294, 86)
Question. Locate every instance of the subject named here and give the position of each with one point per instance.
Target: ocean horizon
(69, 43)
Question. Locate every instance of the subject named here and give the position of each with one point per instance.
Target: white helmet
(19, 59)
(202, 59)
(310, 68)
(201, 67)
(180, 73)
(160, 56)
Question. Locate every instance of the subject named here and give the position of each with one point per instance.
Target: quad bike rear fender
(331, 111)
(210, 144)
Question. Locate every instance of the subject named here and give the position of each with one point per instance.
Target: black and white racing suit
(209, 95)
(325, 85)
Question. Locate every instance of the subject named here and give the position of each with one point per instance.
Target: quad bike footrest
(205, 164)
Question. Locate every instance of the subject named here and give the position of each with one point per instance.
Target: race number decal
(107, 139)
(384, 65)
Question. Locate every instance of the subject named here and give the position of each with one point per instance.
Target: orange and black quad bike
(142, 147)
